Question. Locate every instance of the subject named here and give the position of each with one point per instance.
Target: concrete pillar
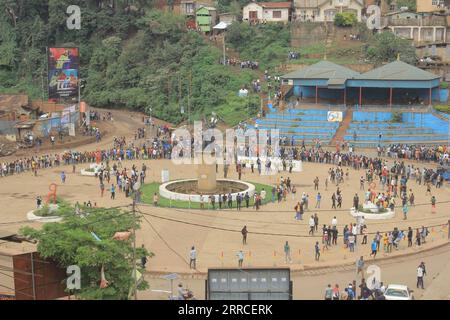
(360, 97)
(317, 89)
(434, 34)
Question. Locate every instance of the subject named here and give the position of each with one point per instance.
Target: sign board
(164, 176)
(249, 284)
(63, 73)
(334, 116)
(71, 127)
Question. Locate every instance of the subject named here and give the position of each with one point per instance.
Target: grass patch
(148, 190)
(381, 210)
(63, 208)
(445, 85)
(443, 108)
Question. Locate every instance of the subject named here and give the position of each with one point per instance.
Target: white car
(398, 292)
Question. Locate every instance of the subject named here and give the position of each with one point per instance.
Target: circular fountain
(206, 184)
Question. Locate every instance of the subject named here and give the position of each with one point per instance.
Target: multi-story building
(325, 10)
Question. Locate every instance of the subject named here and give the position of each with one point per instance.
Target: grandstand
(388, 105)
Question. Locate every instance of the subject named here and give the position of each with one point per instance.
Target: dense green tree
(72, 242)
(345, 19)
(386, 47)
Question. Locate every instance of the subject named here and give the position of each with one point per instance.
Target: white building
(325, 10)
(267, 12)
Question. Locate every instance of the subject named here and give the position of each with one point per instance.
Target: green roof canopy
(397, 70)
(322, 70)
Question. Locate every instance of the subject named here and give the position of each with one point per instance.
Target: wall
(426, 6)
(252, 7)
(307, 33)
(268, 15)
(442, 51)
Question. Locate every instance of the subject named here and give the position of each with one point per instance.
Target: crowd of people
(293, 55)
(249, 64)
(438, 153)
(158, 148)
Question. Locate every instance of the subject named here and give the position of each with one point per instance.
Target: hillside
(143, 59)
(139, 60)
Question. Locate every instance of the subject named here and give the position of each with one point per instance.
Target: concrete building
(267, 12)
(420, 27)
(325, 10)
(431, 5)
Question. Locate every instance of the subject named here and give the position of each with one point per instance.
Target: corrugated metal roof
(322, 70)
(397, 70)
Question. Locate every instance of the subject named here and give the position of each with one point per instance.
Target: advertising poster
(63, 68)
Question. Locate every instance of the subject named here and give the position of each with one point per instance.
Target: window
(276, 14)
(437, 2)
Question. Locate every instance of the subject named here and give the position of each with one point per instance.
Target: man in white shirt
(334, 222)
(192, 258)
(263, 194)
(311, 225)
(420, 274)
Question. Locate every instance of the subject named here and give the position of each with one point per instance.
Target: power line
(260, 233)
(193, 212)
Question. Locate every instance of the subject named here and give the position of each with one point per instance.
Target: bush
(345, 19)
(380, 210)
(445, 85)
(442, 108)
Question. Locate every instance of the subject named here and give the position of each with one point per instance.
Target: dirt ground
(169, 233)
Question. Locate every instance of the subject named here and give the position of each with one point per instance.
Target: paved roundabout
(170, 232)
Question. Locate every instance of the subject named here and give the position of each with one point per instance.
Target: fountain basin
(187, 189)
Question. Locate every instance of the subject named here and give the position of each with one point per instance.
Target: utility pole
(134, 245)
(224, 49)
(189, 97)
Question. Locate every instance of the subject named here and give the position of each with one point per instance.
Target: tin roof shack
(16, 108)
(206, 18)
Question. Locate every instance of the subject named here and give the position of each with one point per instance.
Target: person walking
(316, 183)
(143, 258)
(287, 253)
(316, 222)
(336, 292)
(247, 199)
(311, 225)
(193, 258)
(102, 188)
(244, 232)
(63, 177)
(240, 256)
(374, 247)
(318, 198)
(317, 251)
(410, 237)
(433, 204)
(360, 266)
(351, 242)
(155, 199)
(421, 272)
(113, 191)
(405, 211)
(328, 292)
